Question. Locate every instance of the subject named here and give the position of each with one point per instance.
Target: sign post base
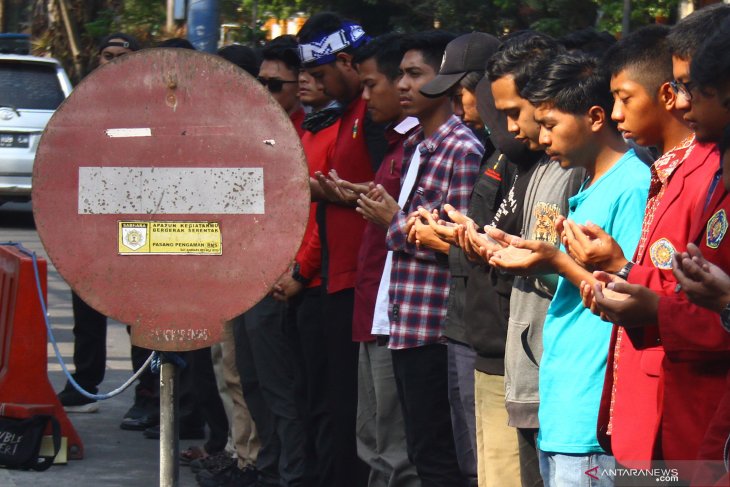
(169, 445)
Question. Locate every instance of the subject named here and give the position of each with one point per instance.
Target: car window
(29, 86)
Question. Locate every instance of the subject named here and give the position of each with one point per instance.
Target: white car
(31, 88)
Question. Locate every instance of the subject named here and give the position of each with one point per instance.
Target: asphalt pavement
(113, 457)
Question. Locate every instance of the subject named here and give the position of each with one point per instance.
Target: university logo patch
(661, 253)
(716, 229)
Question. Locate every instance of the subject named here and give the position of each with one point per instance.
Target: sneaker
(141, 415)
(230, 477)
(74, 402)
(215, 462)
(244, 477)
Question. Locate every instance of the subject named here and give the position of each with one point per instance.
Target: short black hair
(646, 53)
(588, 40)
(177, 42)
(519, 56)
(319, 24)
(471, 80)
(242, 56)
(387, 50)
(284, 49)
(711, 63)
(572, 83)
(431, 44)
(687, 35)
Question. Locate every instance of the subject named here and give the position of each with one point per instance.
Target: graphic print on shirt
(509, 205)
(545, 215)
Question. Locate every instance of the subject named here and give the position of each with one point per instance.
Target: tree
(643, 12)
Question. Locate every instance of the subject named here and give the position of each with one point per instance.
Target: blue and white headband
(324, 50)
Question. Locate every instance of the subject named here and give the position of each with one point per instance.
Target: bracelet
(298, 277)
(624, 272)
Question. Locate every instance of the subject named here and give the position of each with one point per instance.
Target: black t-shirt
(486, 309)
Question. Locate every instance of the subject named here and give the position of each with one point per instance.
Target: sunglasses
(683, 88)
(275, 85)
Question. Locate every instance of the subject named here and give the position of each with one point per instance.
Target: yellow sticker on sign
(155, 238)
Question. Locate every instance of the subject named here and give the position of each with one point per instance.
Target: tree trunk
(72, 36)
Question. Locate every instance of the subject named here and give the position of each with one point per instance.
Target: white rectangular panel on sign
(155, 190)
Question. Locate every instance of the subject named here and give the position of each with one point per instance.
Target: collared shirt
(661, 172)
(419, 284)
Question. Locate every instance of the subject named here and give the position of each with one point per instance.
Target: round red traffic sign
(170, 191)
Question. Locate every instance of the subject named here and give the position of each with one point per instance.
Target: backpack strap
(45, 462)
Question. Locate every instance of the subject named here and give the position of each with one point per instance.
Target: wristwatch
(725, 316)
(624, 272)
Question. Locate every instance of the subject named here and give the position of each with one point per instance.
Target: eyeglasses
(275, 85)
(682, 87)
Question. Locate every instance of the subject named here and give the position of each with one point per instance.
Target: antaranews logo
(655, 474)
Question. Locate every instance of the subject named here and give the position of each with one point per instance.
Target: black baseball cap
(463, 55)
(119, 39)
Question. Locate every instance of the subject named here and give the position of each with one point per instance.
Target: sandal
(192, 453)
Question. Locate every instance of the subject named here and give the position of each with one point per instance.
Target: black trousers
(200, 401)
(342, 359)
(265, 363)
(421, 375)
(89, 357)
(529, 462)
(306, 327)
(89, 344)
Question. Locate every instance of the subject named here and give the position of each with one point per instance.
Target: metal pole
(254, 19)
(169, 448)
(626, 21)
(170, 21)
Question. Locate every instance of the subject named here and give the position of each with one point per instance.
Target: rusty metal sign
(170, 191)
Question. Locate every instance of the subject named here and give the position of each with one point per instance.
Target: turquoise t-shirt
(576, 341)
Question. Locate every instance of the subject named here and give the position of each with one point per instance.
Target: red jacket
(697, 349)
(644, 402)
(343, 225)
(319, 148)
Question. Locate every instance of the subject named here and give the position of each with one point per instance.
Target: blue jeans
(576, 470)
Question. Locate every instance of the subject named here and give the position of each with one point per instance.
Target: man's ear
(666, 96)
(597, 117)
(344, 60)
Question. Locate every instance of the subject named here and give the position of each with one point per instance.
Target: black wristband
(298, 277)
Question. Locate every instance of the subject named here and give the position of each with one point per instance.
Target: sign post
(169, 446)
(170, 191)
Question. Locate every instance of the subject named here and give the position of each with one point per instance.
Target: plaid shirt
(419, 281)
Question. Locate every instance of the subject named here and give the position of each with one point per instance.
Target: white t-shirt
(381, 322)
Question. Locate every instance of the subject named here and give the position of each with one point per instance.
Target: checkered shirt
(661, 171)
(419, 280)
